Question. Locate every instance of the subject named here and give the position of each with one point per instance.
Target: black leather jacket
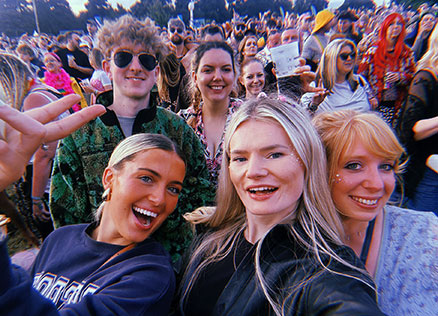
(285, 264)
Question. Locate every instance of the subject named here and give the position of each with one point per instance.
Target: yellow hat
(322, 19)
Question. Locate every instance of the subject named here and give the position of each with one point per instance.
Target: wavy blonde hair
(15, 77)
(315, 211)
(430, 58)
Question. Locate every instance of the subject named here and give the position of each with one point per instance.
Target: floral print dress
(214, 160)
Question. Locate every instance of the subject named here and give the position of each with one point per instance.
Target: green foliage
(414, 4)
(157, 10)
(301, 6)
(16, 17)
(55, 16)
(357, 4)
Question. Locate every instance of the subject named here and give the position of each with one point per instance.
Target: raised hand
(25, 132)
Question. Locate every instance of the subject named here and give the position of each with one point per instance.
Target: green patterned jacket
(76, 187)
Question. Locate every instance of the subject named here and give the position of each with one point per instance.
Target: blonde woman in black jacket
(272, 245)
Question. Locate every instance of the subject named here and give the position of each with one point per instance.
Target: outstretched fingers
(62, 128)
(51, 111)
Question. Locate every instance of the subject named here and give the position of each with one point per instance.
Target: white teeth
(217, 88)
(145, 212)
(261, 189)
(364, 201)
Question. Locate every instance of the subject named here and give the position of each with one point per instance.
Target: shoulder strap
(367, 241)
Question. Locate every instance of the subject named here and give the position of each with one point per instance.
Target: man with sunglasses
(176, 32)
(133, 50)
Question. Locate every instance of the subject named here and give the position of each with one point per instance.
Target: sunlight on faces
(266, 172)
(253, 78)
(215, 76)
(364, 185)
(144, 192)
(132, 81)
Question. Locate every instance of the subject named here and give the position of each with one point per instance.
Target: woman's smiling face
(363, 183)
(215, 75)
(253, 78)
(144, 192)
(266, 171)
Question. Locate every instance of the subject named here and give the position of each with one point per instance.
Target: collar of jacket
(143, 116)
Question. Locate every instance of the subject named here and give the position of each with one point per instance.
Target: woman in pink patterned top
(213, 80)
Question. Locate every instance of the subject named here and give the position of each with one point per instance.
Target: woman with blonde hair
(418, 130)
(112, 266)
(345, 89)
(397, 246)
(272, 244)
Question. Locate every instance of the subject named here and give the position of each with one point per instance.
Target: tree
(301, 6)
(16, 17)
(157, 10)
(100, 8)
(414, 4)
(357, 4)
(55, 16)
(253, 8)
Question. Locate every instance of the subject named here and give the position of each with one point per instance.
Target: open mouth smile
(145, 217)
(262, 190)
(365, 201)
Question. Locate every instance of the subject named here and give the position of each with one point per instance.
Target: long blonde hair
(15, 78)
(315, 212)
(430, 58)
(328, 66)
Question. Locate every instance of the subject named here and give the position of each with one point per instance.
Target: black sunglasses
(124, 58)
(344, 56)
(240, 27)
(178, 30)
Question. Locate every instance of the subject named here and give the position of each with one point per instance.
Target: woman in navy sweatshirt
(110, 267)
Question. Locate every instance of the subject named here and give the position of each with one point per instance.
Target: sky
(78, 5)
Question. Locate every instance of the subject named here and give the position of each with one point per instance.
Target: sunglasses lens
(345, 56)
(122, 59)
(148, 61)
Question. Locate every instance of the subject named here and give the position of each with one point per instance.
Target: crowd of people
(208, 181)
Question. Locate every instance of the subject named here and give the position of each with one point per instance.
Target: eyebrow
(158, 175)
(267, 148)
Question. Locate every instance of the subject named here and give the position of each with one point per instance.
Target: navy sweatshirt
(69, 273)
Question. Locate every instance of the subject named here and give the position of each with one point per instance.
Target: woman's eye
(227, 69)
(250, 77)
(353, 166)
(146, 179)
(174, 190)
(238, 159)
(387, 167)
(275, 155)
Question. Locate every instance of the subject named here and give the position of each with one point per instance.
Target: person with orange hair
(389, 66)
